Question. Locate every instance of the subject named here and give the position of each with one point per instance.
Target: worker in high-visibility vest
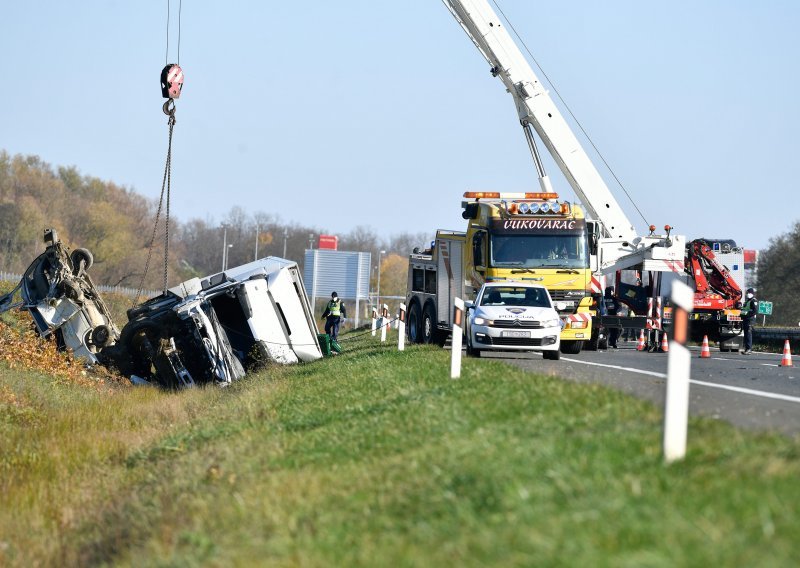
(334, 316)
(749, 313)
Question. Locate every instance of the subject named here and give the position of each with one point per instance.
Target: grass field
(377, 458)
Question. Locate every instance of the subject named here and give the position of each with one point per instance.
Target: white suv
(513, 316)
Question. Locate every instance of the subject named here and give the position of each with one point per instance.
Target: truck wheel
(592, 344)
(428, 334)
(571, 347)
(413, 323)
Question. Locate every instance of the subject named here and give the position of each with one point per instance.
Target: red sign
(330, 242)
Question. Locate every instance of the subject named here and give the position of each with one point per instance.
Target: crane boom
(535, 107)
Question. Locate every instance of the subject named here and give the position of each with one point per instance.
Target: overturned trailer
(209, 330)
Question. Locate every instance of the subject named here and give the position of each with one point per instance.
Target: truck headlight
(578, 324)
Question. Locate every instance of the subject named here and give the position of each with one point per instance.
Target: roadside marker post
(679, 363)
(455, 350)
(374, 320)
(401, 329)
(384, 320)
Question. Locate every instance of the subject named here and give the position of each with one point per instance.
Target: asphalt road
(750, 391)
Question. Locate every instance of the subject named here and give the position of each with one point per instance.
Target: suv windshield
(563, 250)
(515, 296)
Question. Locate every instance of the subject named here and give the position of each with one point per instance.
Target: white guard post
(374, 320)
(455, 359)
(401, 329)
(384, 322)
(679, 361)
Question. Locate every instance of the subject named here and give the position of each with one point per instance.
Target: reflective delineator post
(679, 362)
(384, 322)
(374, 320)
(401, 328)
(455, 351)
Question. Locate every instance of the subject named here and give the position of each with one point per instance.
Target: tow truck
(609, 241)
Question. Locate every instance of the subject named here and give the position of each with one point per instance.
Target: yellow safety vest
(335, 308)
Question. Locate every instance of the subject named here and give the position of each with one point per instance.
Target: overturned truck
(205, 330)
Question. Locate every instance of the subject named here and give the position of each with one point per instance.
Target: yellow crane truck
(509, 236)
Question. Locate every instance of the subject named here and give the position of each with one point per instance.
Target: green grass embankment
(377, 458)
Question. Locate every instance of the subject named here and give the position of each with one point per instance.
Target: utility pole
(380, 256)
(224, 245)
(285, 238)
(255, 256)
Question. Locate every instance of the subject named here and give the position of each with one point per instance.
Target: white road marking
(701, 383)
(770, 365)
(750, 391)
(629, 369)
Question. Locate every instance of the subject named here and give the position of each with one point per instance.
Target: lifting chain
(169, 110)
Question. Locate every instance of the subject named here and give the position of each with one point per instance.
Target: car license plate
(515, 333)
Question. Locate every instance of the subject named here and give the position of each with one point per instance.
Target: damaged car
(205, 330)
(63, 301)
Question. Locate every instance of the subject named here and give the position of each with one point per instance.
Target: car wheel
(428, 334)
(101, 336)
(413, 323)
(552, 355)
(81, 255)
(471, 351)
(571, 347)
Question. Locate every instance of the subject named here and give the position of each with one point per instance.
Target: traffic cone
(640, 345)
(705, 352)
(664, 343)
(787, 355)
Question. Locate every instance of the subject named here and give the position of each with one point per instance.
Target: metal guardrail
(123, 290)
(776, 333)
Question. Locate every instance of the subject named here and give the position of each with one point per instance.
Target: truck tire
(571, 347)
(414, 318)
(428, 331)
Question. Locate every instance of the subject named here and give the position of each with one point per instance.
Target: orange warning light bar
(482, 194)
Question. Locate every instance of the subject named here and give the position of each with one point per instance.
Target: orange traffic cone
(664, 343)
(704, 350)
(787, 355)
(640, 345)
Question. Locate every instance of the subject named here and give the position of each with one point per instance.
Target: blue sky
(338, 114)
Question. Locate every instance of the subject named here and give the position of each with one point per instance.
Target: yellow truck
(510, 236)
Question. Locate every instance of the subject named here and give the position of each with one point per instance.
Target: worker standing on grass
(611, 308)
(334, 316)
(749, 313)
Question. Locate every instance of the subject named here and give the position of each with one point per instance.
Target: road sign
(765, 308)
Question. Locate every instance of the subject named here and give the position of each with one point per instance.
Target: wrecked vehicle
(210, 330)
(63, 301)
(215, 329)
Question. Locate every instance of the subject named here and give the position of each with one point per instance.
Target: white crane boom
(536, 107)
(620, 247)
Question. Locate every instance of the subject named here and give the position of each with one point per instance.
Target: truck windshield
(562, 250)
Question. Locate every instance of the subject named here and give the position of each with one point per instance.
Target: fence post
(384, 320)
(679, 362)
(455, 350)
(401, 329)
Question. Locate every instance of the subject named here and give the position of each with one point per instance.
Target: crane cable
(171, 86)
(569, 110)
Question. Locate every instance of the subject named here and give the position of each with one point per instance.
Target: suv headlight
(481, 321)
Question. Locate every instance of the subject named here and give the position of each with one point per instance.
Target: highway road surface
(750, 391)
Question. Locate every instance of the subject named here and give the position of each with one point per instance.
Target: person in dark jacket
(334, 315)
(749, 313)
(611, 308)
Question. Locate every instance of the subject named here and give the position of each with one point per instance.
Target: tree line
(116, 224)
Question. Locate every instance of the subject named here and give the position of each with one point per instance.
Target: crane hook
(171, 81)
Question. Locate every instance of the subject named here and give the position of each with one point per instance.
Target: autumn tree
(779, 276)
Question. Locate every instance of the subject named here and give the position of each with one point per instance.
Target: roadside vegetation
(376, 457)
